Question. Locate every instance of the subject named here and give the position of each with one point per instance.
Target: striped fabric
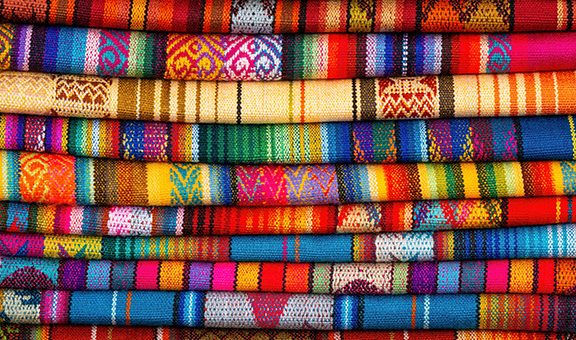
(306, 101)
(60, 179)
(115, 53)
(310, 219)
(554, 241)
(289, 16)
(446, 140)
(544, 276)
(76, 332)
(291, 311)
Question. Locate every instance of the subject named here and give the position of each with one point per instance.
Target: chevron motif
(408, 97)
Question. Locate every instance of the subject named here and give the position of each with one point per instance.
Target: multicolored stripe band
(438, 140)
(554, 241)
(309, 219)
(291, 311)
(306, 101)
(106, 52)
(289, 16)
(61, 179)
(76, 332)
(533, 276)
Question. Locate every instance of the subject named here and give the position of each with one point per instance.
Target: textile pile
(287, 169)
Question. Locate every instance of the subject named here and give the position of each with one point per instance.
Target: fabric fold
(554, 241)
(408, 141)
(312, 219)
(306, 101)
(60, 179)
(290, 16)
(531, 276)
(292, 311)
(232, 57)
(77, 332)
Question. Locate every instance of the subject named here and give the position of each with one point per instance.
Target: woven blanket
(533, 276)
(310, 219)
(438, 140)
(304, 101)
(554, 241)
(115, 53)
(289, 16)
(291, 311)
(61, 179)
(76, 332)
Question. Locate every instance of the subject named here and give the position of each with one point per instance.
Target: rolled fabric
(531, 276)
(298, 16)
(554, 241)
(232, 57)
(77, 332)
(408, 141)
(60, 179)
(309, 219)
(291, 311)
(306, 101)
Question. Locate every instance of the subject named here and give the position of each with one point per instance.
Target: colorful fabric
(75, 332)
(61, 179)
(533, 276)
(291, 311)
(438, 140)
(310, 219)
(554, 241)
(307, 101)
(115, 53)
(288, 16)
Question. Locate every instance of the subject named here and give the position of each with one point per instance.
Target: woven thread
(547, 93)
(531, 276)
(554, 241)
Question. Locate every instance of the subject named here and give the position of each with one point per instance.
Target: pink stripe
(62, 220)
(224, 275)
(497, 276)
(147, 275)
(11, 132)
(57, 132)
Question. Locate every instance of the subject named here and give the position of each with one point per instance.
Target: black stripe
(446, 96)
(239, 102)
(446, 51)
(302, 17)
(368, 99)
(570, 15)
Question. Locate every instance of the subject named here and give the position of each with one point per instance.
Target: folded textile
(117, 53)
(290, 16)
(554, 241)
(61, 179)
(291, 311)
(310, 219)
(435, 140)
(533, 276)
(77, 332)
(307, 101)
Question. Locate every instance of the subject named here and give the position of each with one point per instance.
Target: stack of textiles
(287, 169)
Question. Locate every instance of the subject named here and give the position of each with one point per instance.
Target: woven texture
(554, 241)
(274, 57)
(60, 179)
(288, 16)
(546, 276)
(75, 332)
(311, 219)
(445, 140)
(291, 311)
(309, 101)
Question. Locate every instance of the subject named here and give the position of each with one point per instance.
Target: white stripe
(113, 312)
(426, 311)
